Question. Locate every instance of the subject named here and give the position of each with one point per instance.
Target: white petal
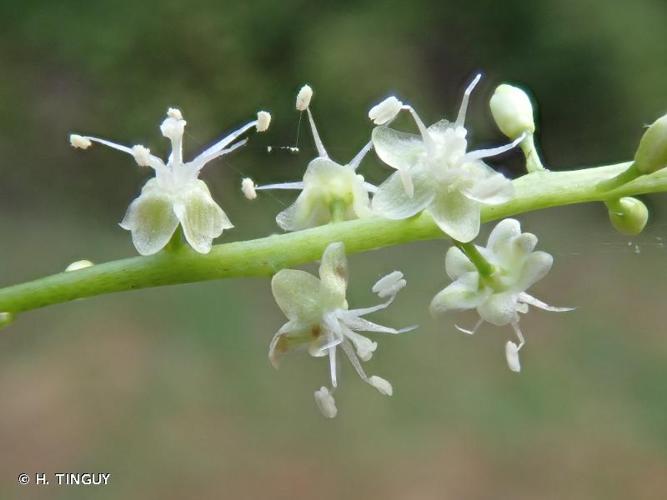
(535, 267)
(397, 149)
(383, 386)
(457, 264)
(390, 284)
(499, 309)
(326, 402)
(152, 221)
(491, 188)
(457, 215)
(502, 233)
(201, 217)
(333, 274)
(297, 294)
(512, 356)
(464, 293)
(391, 200)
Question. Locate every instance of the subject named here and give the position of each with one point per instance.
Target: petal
(292, 334)
(457, 264)
(297, 294)
(499, 309)
(333, 275)
(535, 267)
(201, 217)
(464, 293)
(491, 188)
(505, 230)
(152, 221)
(457, 215)
(391, 200)
(397, 149)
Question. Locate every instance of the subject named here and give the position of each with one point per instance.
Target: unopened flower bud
(79, 141)
(628, 215)
(5, 319)
(263, 121)
(303, 97)
(512, 110)
(248, 188)
(385, 111)
(651, 154)
(79, 264)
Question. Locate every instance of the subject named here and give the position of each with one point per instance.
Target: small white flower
(435, 173)
(329, 191)
(500, 298)
(320, 321)
(176, 194)
(386, 111)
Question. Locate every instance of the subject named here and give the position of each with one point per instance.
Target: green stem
(265, 256)
(627, 175)
(483, 266)
(533, 160)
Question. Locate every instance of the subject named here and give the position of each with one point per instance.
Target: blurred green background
(170, 389)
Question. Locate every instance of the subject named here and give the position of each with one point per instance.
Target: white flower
(329, 191)
(176, 194)
(321, 322)
(435, 173)
(501, 297)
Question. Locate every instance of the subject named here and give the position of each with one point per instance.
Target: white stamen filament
(461, 117)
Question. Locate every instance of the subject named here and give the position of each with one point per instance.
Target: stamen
(283, 185)
(263, 121)
(248, 188)
(383, 386)
(217, 148)
(316, 136)
(303, 97)
(485, 153)
(460, 119)
(332, 366)
(426, 136)
(142, 155)
(512, 356)
(79, 141)
(390, 284)
(359, 157)
(474, 328)
(326, 402)
(386, 111)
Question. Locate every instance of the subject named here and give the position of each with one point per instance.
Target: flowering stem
(533, 160)
(627, 175)
(265, 256)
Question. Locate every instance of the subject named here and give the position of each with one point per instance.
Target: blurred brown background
(170, 390)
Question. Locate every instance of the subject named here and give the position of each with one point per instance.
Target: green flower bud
(628, 215)
(512, 110)
(651, 154)
(5, 319)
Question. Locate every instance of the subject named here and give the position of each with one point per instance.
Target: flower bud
(512, 110)
(5, 319)
(628, 215)
(651, 154)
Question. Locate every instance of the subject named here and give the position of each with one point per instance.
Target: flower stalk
(266, 256)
